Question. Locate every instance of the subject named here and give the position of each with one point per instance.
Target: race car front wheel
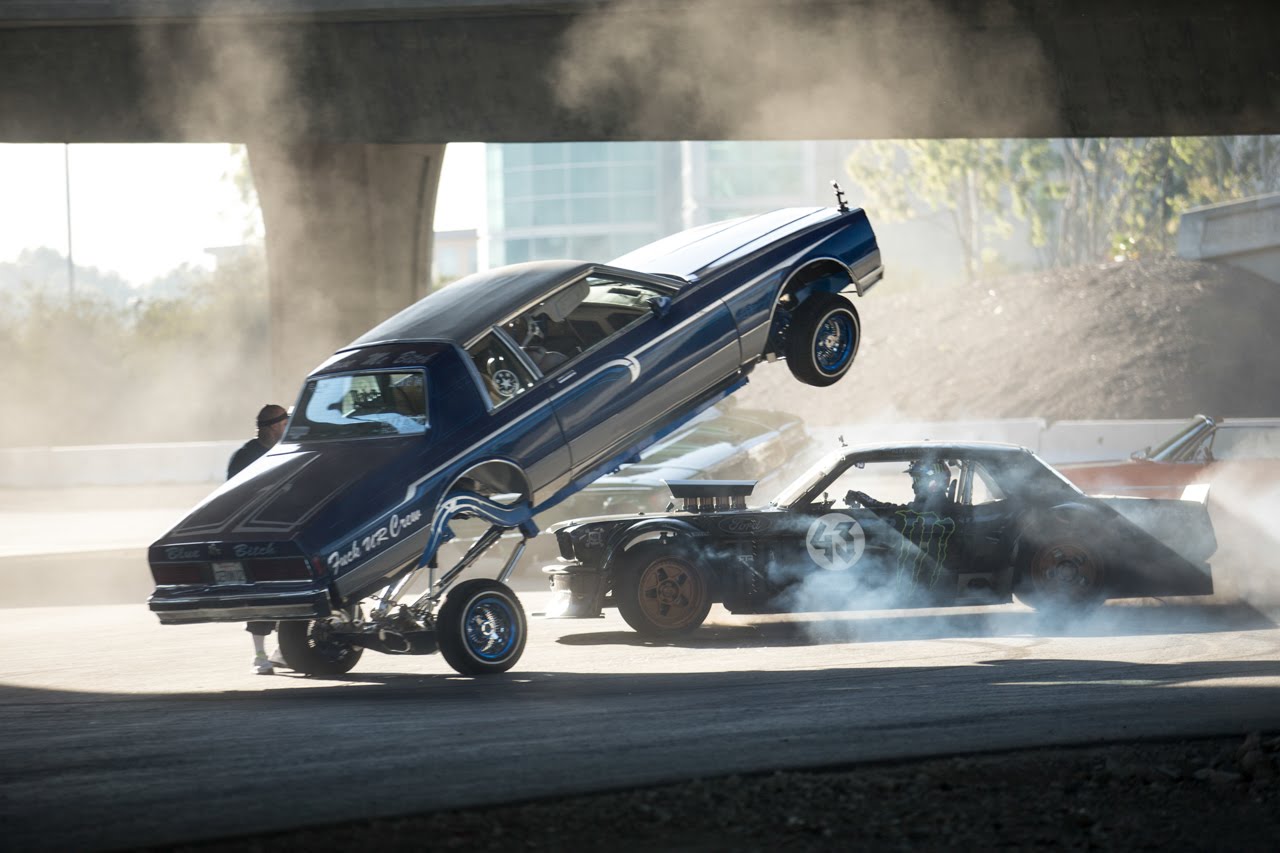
(822, 339)
(311, 648)
(662, 591)
(481, 627)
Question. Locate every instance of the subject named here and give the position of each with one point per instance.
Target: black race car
(905, 525)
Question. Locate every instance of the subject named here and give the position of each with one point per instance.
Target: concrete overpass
(346, 104)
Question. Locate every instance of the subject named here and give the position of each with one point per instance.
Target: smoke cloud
(799, 70)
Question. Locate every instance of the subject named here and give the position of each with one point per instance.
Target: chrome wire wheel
(489, 628)
(481, 627)
(822, 339)
(833, 345)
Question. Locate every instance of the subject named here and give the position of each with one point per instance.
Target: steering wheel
(853, 496)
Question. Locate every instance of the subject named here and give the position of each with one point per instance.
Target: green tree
(977, 183)
(1082, 199)
(89, 369)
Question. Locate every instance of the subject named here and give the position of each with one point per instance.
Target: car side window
(502, 373)
(883, 481)
(978, 487)
(580, 317)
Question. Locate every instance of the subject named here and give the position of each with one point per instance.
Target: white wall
(115, 464)
(206, 461)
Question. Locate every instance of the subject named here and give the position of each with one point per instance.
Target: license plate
(228, 572)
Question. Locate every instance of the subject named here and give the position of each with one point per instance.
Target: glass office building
(598, 200)
(579, 200)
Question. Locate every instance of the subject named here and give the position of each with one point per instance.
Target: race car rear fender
(1137, 564)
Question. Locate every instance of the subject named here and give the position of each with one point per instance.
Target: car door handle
(563, 379)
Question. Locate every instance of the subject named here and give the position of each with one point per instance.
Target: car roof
(689, 253)
(904, 449)
(464, 309)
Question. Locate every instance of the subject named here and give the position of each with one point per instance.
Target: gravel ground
(1208, 794)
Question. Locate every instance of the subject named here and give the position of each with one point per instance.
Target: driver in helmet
(930, 479)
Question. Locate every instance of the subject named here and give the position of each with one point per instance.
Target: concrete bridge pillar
(348, 238)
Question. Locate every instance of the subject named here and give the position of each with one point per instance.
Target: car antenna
(841, 437)
(840, 201)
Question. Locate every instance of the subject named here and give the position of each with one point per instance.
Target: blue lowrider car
(496, 398)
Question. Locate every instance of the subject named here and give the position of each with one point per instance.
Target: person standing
(271, 422)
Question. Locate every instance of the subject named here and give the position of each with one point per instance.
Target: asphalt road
(119, 732)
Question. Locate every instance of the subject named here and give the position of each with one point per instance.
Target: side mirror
(659, 305)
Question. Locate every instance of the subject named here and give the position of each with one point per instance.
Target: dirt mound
(1157, 338)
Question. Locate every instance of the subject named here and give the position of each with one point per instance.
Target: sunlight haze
(141, 210)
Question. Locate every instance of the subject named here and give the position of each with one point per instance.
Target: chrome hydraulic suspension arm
(428, 599)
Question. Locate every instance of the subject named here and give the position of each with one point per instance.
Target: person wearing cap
(271, 422)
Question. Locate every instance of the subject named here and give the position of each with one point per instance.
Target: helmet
(929, 476)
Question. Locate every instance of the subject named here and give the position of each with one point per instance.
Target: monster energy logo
(923, 546)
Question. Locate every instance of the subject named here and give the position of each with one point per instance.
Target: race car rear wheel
(312, 649)
(823, 339)
(481, 627)
(1062, 570)
(662, 591)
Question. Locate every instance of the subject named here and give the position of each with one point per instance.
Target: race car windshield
(361, 405)
(806, 481)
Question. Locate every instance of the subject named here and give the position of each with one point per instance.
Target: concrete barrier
(1057, 442)
(1089, 441)
(206, 461)
(115, 464)
(1244, 233)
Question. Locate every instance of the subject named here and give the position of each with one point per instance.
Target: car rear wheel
(311, 648)
(662, 591)
(1062, 570)
(822, 339)
(481, 627)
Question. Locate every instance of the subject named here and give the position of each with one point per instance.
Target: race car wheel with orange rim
(823, 339)
(481, 627)
(312, 648)
(1062, 571)
(662, 591)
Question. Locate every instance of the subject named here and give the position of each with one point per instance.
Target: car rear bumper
(177, 608)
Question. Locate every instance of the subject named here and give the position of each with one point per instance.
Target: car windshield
(361, 405)
(806, 481)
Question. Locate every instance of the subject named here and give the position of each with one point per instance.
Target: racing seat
(546, 360)
(550, 360)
